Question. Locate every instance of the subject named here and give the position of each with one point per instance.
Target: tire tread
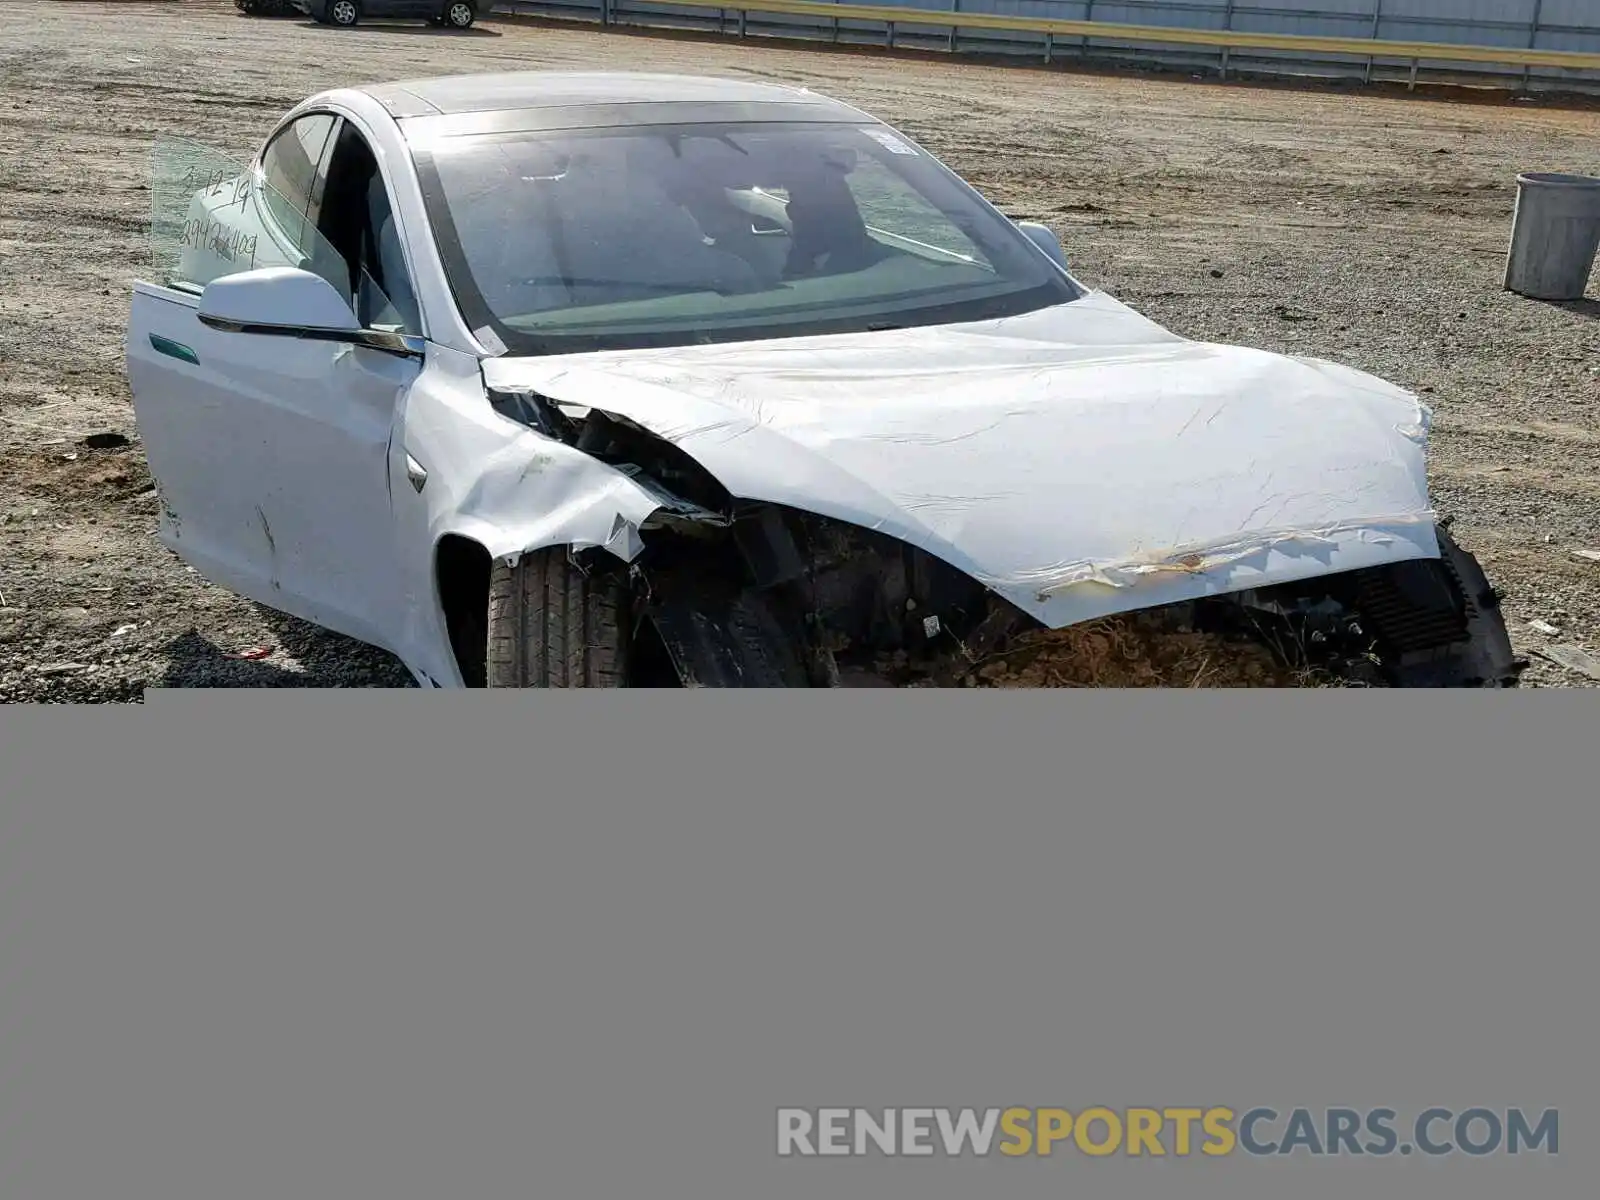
(551, 626)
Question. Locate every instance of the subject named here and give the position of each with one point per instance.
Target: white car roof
(528, 91)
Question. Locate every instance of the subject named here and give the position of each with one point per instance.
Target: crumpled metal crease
(536, 491)
(1042, 454)
(1196, 558)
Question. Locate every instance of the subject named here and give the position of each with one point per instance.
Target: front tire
(552, 626)
(344, 13)
(460, 14)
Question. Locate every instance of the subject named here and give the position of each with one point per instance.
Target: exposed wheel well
(461, 573)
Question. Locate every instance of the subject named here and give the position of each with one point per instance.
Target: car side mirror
(1043, 237)
(290, 302)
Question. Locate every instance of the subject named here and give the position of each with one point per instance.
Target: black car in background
(452, 14)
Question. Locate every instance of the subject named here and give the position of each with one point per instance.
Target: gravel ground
(1362, 227)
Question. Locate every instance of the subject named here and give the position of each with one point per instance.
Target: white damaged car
(594, 380)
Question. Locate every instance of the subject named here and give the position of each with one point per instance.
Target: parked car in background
(451, 14)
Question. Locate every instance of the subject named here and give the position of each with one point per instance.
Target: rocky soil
(1365, 227)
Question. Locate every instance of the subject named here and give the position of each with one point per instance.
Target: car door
(399, 9)
(272, 453)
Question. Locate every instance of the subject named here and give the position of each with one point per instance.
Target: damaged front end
(727, 592)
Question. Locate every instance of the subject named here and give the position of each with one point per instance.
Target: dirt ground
(1361, 227)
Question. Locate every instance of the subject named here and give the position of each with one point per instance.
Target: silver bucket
(1554, 236)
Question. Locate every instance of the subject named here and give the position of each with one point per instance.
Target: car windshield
(675, 235)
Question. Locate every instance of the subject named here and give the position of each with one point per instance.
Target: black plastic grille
(1415, 606)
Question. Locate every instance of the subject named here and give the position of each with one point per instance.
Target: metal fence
(1513, 25)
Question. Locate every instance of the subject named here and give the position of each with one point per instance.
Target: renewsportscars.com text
(1164, 1132)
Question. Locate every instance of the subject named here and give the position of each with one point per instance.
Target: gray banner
(296, 945)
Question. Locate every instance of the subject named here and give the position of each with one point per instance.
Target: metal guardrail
(1226, 40)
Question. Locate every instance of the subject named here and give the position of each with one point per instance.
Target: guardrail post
(1049, 47)
(744, 17)
(1533, 40)
(955, 7)
(1227, 24)
(888, 34)
(1412, 85)
(1088, 15)
(1377, 22)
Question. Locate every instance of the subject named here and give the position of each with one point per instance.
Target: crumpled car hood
(1081, 460)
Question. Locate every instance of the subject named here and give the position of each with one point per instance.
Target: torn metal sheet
(1198, 559)
(669, 505)
(538, 492)
(1079, 460)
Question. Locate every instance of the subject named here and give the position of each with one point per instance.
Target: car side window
(289, 167)
(890, 205)
(212, 216)
(391, 301)
(356, 221)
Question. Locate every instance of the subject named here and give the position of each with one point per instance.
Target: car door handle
(172, 349)
(416, 473)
